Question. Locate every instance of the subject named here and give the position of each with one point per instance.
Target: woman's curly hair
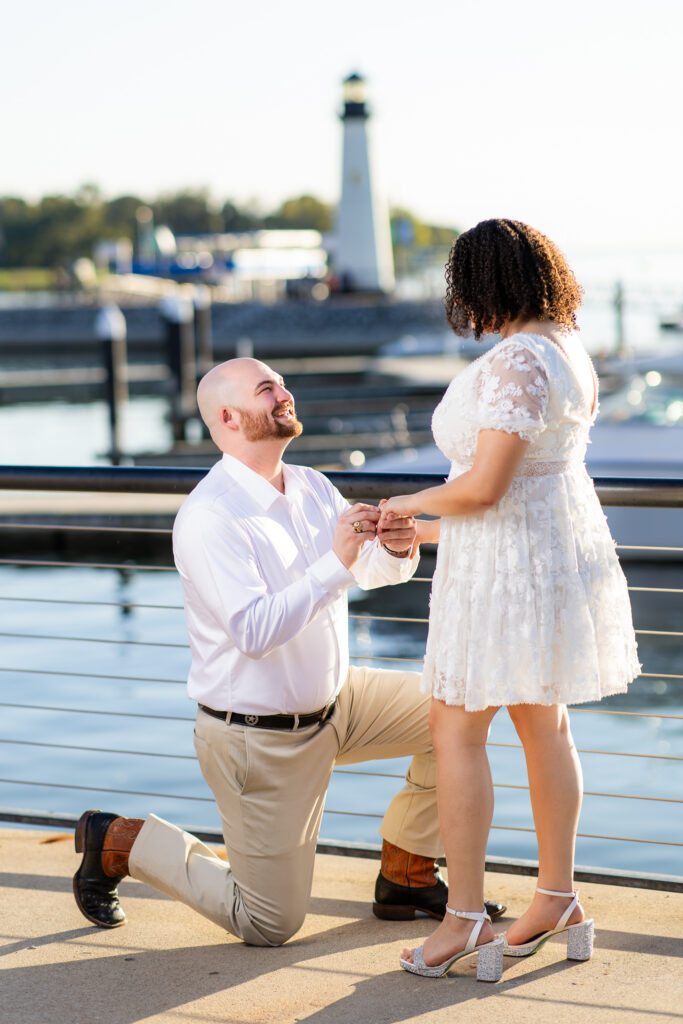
(501, 270)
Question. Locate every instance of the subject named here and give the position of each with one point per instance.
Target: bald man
(266, 553)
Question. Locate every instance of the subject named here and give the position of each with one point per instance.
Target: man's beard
(263, 425)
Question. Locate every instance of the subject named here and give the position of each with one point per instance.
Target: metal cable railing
(89, 675)
(359, 772)
(648, 493)
(65, 564)
(189, 718)
(76, 528)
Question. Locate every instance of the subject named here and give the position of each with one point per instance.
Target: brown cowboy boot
(118, 840)
(408, 882)
(105, 841)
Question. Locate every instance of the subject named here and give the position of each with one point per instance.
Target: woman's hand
(402, 507)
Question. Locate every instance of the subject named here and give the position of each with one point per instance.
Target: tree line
(58, 229)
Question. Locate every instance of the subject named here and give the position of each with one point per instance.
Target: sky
(564, 115)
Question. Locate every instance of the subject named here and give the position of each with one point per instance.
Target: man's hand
(353, 529)
(397, 533)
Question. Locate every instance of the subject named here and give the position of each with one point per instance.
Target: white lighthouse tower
(363, 260)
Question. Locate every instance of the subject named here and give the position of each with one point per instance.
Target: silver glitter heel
(489, 954)
(490, 961)
(580, 941)
(579, 936)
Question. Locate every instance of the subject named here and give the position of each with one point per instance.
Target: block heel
(580, 941)
(490, 961)
(79, 835)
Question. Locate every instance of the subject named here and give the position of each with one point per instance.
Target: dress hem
(570, 702)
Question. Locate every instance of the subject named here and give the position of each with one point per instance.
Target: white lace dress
(529, 603)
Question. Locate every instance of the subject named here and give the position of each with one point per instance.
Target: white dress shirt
(264, 593)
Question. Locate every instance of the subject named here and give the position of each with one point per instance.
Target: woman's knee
(452, 724)
(532, 720)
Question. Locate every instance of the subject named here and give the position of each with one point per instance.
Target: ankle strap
(574, 896)
(471, 915)
(552, 892)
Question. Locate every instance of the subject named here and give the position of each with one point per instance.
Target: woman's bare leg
(555, 785)
(465, 796)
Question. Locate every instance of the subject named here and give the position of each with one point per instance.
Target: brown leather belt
(291, 722)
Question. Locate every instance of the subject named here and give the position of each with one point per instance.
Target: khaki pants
(270, 788)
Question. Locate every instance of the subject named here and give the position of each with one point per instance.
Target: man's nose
(285, 396)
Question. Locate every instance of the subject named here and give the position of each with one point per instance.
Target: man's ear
(226, 418)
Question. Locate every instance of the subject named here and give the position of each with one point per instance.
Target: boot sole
(394, 912)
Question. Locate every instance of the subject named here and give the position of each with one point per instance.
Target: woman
(529, 607)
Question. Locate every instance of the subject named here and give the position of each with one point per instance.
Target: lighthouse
(363, 259)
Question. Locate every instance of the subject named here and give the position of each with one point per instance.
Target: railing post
(110, 329)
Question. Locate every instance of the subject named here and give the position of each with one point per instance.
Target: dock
(170, 966)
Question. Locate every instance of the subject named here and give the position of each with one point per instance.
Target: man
(266, 553)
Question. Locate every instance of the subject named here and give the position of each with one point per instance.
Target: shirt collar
(295, 484)
(259, 489)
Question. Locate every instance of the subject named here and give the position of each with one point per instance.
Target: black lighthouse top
(354, 98)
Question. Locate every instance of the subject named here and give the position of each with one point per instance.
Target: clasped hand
(364, 522)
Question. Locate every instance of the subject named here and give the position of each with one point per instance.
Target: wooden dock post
(202, 328)
(110, 329)
(177, 313)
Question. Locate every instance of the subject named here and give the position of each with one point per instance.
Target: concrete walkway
(169, 965)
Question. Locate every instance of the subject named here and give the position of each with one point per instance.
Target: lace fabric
(512, 392)
(527, 468)
(529, 603)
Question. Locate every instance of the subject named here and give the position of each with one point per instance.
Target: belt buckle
(251, 719)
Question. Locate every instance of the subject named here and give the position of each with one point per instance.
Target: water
(62, 434)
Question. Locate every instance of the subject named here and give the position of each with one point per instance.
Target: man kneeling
(266, 554)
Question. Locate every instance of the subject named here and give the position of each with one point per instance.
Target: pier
(170, 966)
(345, 325)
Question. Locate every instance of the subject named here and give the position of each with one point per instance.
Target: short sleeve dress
(529, 604)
